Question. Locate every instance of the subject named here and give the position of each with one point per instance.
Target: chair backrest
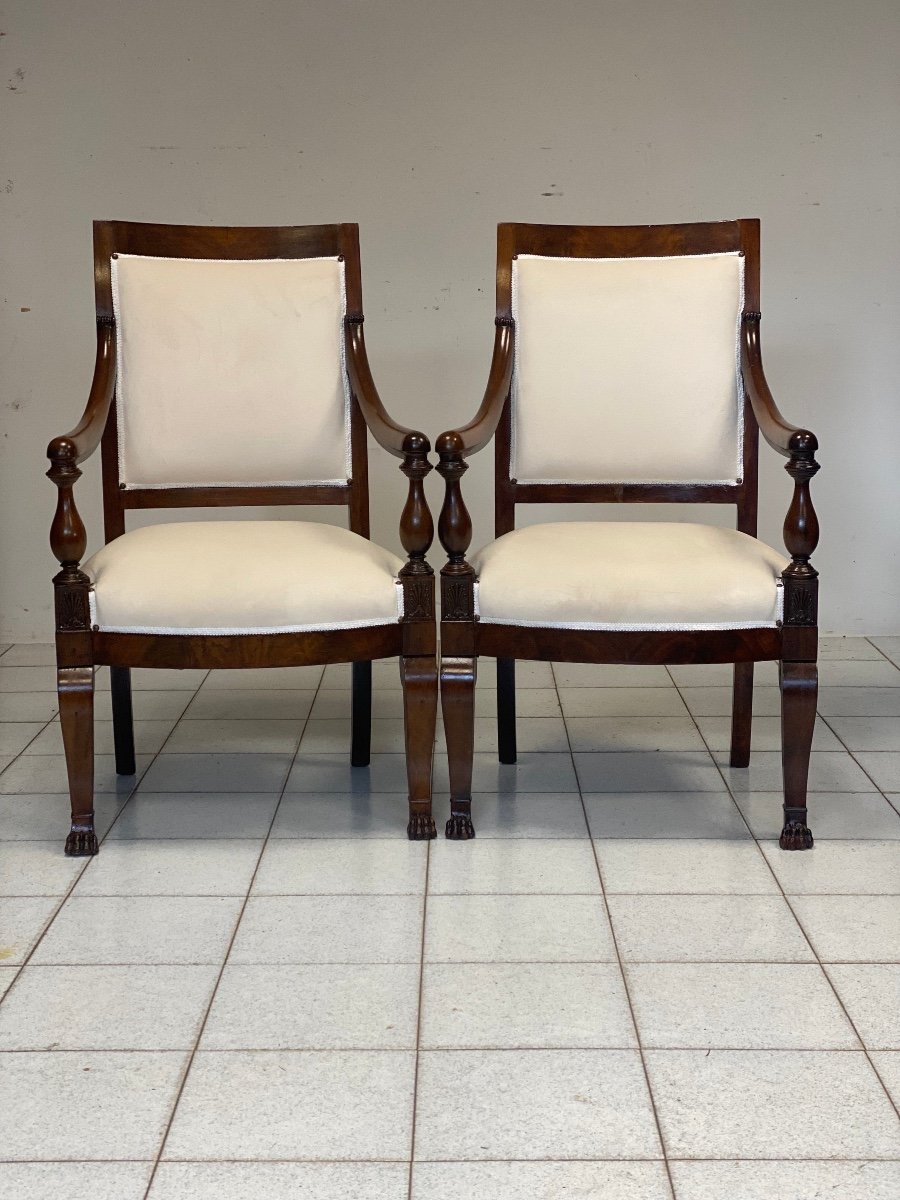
(627, 381)
(231, 386)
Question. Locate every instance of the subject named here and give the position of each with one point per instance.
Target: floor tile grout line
(865, 1049)
(481, 962)
(883, 653)
(27, 959)
(400, 1161)
(415, 1095)
(30, 742)
(718, 767)
(787, 899)
(77, 879)
(202, 1027)
(819, 716)
(139, 778)
(622, 974)
(475, 1048)
(881, 791)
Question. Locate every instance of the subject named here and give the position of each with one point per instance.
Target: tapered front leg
(123, 719)
(75, 686)
(741, 714)
(799, 688)
(361, 715)
(420, 692)
(506, 709)
(458, 707)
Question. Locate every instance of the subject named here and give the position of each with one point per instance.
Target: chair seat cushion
(629, 575)
(234, 577)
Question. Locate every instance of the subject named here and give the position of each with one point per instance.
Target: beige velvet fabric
(220, 577)
(627, 369)
(629, 575)
(230, 372)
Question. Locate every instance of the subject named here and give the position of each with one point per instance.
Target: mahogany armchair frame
(793, 643)
(80, 648)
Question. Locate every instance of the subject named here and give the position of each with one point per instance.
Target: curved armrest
(787, 439)
(475, 436)
(396, 439)
(416, 524)
(801, 525)
(454, 447)
(81, 442)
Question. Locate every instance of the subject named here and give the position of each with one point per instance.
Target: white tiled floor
(622, 989)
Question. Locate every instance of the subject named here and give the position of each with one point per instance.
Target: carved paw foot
(795, 836)
(421, 827)
(81, 843)
(460, 828)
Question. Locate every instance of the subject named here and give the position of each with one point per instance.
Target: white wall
(428, 123)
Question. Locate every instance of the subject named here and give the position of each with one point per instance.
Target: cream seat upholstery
(221, 577)
(629, 575)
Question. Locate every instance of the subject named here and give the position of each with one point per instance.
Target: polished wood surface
(80, 648)
(463, 637)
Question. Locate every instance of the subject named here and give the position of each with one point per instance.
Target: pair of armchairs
(231, 371)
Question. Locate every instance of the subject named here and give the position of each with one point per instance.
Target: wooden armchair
(231, 370)
(626, 369)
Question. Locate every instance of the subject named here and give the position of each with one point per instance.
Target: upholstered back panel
(230, 372)
(627, 369)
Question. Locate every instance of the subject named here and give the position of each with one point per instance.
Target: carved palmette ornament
(457, 599)
(801, 603)
(418, 599)
(73, 611)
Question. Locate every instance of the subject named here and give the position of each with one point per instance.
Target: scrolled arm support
(416, 523)
(454, 447)
(471, 438)
(396, 439)
(80, 443)
(799, 446)
(781, 435)
(68, 537)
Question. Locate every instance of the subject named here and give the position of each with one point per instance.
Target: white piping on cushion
(278, 483)
(739, 391)
(345, 377)
(243, 630)
(228, 632)
(120, 379)
(626, 627)
(264, 629)
(613, 627)
(740, 399)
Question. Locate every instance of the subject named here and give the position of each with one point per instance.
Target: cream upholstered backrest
(230, 372)
(627, 369)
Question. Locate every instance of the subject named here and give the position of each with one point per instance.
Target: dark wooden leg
(799, 688)
(361, 719)
(75, 686)
(458, 706)
(741, 714)
(506, 709)
(420, 693)
(123, 721)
